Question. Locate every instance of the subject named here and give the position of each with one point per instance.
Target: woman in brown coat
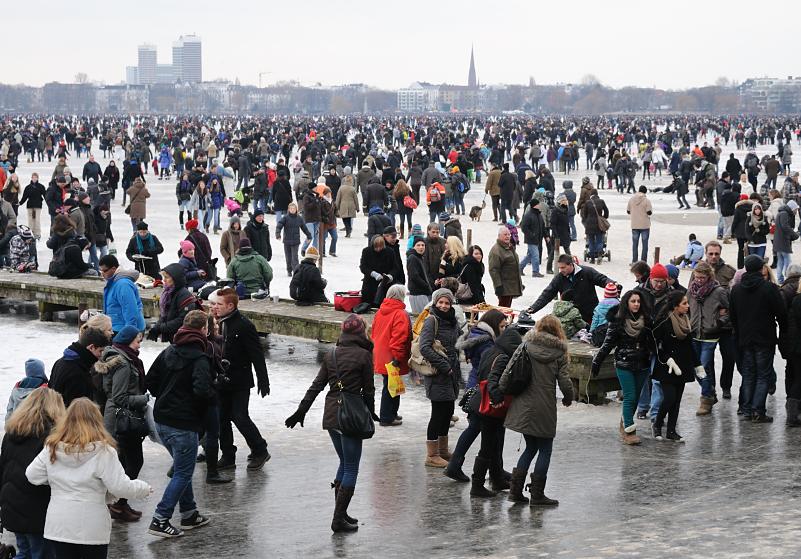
(346, 368)
(532, 413)
(138, 195)
(229, 242)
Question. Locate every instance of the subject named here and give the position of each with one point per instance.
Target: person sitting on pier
(250, 270)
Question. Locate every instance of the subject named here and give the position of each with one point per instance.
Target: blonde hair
(99, 322)
(36, 414)
(455, 249)
(80, 429)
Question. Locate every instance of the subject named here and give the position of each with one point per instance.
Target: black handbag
(130, 423)
(354, 419)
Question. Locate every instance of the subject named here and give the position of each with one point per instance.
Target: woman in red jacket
(392, 343)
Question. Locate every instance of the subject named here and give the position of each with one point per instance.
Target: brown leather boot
(537, 489)
(705, 406)
(442, 445)
(433, 458)
(516, 486)
(630, 435)
(336, 486)
(338, 523)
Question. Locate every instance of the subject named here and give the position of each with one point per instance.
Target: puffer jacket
(392, 336)
(354, 368)
(122, 386)
(474, 343)
(23, 506)
(631, 354)
(534, 411)
(668, 346)
(444, 386)
(569, 316)
(251, 269)
(705, 318)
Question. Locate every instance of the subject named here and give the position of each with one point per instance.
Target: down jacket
(444, 386)
(474, 344)
(631, 354)
(121, 384)
(392, 336)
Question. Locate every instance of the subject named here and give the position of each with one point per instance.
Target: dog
(475, 211)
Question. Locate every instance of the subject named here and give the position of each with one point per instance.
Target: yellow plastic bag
(395, 384)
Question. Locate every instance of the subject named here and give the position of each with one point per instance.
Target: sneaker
(256, 461)
(642, 414)
(537, 275)
(656, 432)
(675, 437)
(393, 423)
(762, 418)
(163, 529)
(226, 463)
(195, 521)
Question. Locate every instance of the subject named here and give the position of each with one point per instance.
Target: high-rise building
(132, 75)
(189, 62)
(472, 80)
(147, 64)
(165, 73)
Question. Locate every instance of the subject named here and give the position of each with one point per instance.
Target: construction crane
(260, 76)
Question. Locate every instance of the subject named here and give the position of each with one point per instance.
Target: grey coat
(120, 382)
(534, 411)
(444, 386)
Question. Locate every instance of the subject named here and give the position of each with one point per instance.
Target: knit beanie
(397, 292)
(417, 230)
(34, 368)
(440, 293)
(186, 247)
(126, 335)
(353, 325)
(244, 242)
(191, 224)
(658, 271)
(673, 271)
(312, 253)
(753, 263)
(610, 290)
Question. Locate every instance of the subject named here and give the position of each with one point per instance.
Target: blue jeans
(182, 446)
(756, 368)
(215, 213)
(539, 447)
(458, 201)
(532, 257)
(349, 450)
(631, 382)
(314, 229)
(468, 436)
(278, 216)
(706, 355)
(783, 260)
(636, 235)
(389, 405)
(572, 220)
(759, 251)
(31, 546)
(334, 236)
(651, 395)
(596, 241)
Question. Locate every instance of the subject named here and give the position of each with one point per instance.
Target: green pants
(631, 383)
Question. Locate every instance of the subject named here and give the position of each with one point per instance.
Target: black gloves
(153, 334)
(596, 368)
(499, 291)
(297, 417)
(264, 386)
(396, 363)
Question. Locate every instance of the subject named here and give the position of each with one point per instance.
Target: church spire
(472, 81)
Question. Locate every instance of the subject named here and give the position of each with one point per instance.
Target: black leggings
(129, 452)
(62, 550)
(793, 372)
(670, 406)
(440, 422)
(492, 435)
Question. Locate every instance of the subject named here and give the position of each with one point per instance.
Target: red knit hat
(610, 290)
(658, 271)
(191, 224)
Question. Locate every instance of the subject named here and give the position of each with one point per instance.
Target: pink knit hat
(186, 246)
(610, 290)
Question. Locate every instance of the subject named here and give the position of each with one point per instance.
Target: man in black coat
(242, 348)
(259, 234)
(70, 375)
(507, 184)
(375, 196)
(92, 170)
(393, 245)
(533, 227)
(580, 281)
(307, 285)
(282, 196)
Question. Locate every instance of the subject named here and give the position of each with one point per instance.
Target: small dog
(475, 211)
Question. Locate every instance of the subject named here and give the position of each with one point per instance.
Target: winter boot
(442, 445)
(336, 486)
(123, 503)
(498, 483)
(213, 476)
(792, 413)
(705, 406)
(516, 486)
(432, 456)
(477, 489)
(630, 435)
(454, 469)
(402, 229)
(338, 523)
(537, 490)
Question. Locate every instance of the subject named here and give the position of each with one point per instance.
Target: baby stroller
(605, 252)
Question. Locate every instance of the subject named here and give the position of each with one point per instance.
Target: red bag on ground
(485, 408)
(346, 300)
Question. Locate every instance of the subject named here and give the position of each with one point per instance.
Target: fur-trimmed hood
(111, 360)
(478, 334)
(544, 347)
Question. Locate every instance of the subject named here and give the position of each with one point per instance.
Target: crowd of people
(93, 409)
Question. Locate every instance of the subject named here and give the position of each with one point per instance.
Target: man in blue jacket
(121, 301)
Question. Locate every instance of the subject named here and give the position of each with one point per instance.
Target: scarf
(140, 245)
(756, 222)
(449, 316)
(634, 327)
(700, 290)
(681, 324)
(165, 299)
(133, 355)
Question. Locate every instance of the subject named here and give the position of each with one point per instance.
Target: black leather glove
(297, 417)
(153, 334)
(264, 387)
(596, 369)
(566, 402)
(499, 291)
(374, 416)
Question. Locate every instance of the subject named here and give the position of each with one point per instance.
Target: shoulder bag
(353, 416)
(420, 364)
(603, 223)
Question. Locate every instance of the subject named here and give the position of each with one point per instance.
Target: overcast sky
(669, 45)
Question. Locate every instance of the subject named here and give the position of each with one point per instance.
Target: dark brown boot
(537, 490)
(339, 524)
(335, 486)
(516, 486)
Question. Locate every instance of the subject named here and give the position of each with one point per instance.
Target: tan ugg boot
(442, 444)
(630, 435)
(705, 406)
(432, 455)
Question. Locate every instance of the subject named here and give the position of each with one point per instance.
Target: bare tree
(590, 79)
(81, 77)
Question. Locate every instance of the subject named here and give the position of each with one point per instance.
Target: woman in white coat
(80, 464)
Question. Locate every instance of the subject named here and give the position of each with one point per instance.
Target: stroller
(605, 252)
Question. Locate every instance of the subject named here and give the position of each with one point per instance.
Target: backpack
(417, 362)
(58, 266)
(409, 202)
(462, 186)
(296, 286)
(519, 371)
(597, 165)
(435, 194)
